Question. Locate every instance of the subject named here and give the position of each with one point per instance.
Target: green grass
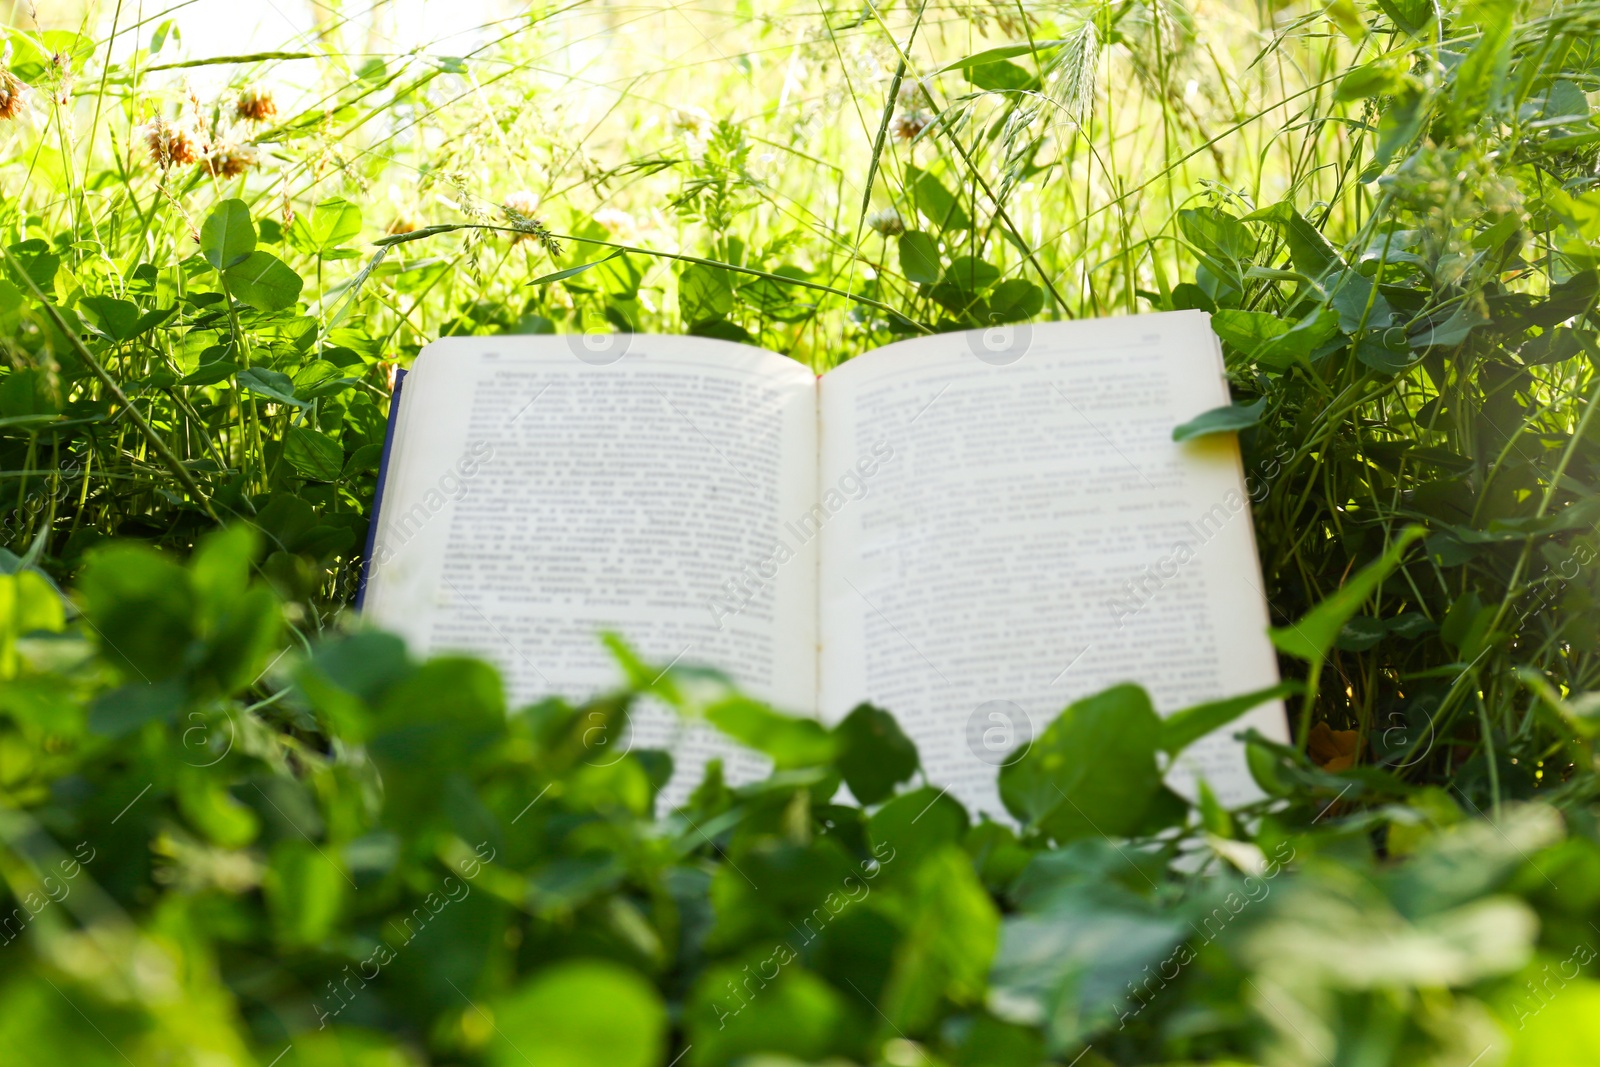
(1393, 222)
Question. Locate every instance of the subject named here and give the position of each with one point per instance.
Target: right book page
(1035, 535)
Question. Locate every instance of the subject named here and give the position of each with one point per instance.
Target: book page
(1035, 536)
(540, 493)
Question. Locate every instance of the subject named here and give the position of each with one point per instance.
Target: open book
(969, 530)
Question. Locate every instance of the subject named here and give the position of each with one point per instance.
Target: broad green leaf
(919, 258)
(795, 1013)
(937, 204)
(227, 236)
(1381, 77)
(305, 889)
(1248, 331)
(580, 1013)
(142, 610)
(790, 741)
(704, 293)
(1229, 419)
(1309, 251)
(1412, 16)
(264, 282)
(913, 826)
(946, 955)
(1183, 728)
(313, 454)
(272, 384)
(1092, 772)
(1313, 636)
(971, 274)
(116, 318)
(120, 711)
(1000, 76)
(206, 803)
(1071, 959)
(995, 55)
(330, 224)
(874, 754)
(1015, 300)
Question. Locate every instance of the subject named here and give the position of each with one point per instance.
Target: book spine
(383, 480)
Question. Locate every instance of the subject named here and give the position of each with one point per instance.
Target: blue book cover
(383, 478)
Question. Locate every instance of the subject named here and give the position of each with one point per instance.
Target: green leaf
(1000, 76)
(117, 319)
(1412, 16)
(573, 272)
(264, 282)
(1312, 637)
(313, 454)
(1381, 77)
(1092, 772)
(913, 826)
(120, 711)
(142, 610)
(304, 888)
(1309, 251)
(227, 236)
(330, 224)
(796, 1014)
(919, 258)
(1015, 300)
(1183, 728)
(580, 1013)
(971, 274)
(950, 945)
(936, 203)
(704, 293)
(1228, 419)
(1478, 84)
(874, 754)
(274, 385)
(1247, 330)
(995, 55)
(790, 741)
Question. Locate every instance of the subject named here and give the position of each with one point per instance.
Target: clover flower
(909, 124)
(170, 143)
(229, 160)
(13, 94)
(255, 105)
(887, 222)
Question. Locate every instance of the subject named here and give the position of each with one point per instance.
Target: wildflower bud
(887, 222)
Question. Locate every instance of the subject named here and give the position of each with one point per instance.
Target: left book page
(539, 493)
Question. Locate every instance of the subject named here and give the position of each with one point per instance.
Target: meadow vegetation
(235, 827)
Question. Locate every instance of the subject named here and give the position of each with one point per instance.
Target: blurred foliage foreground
(233, 831)
(382, 865)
